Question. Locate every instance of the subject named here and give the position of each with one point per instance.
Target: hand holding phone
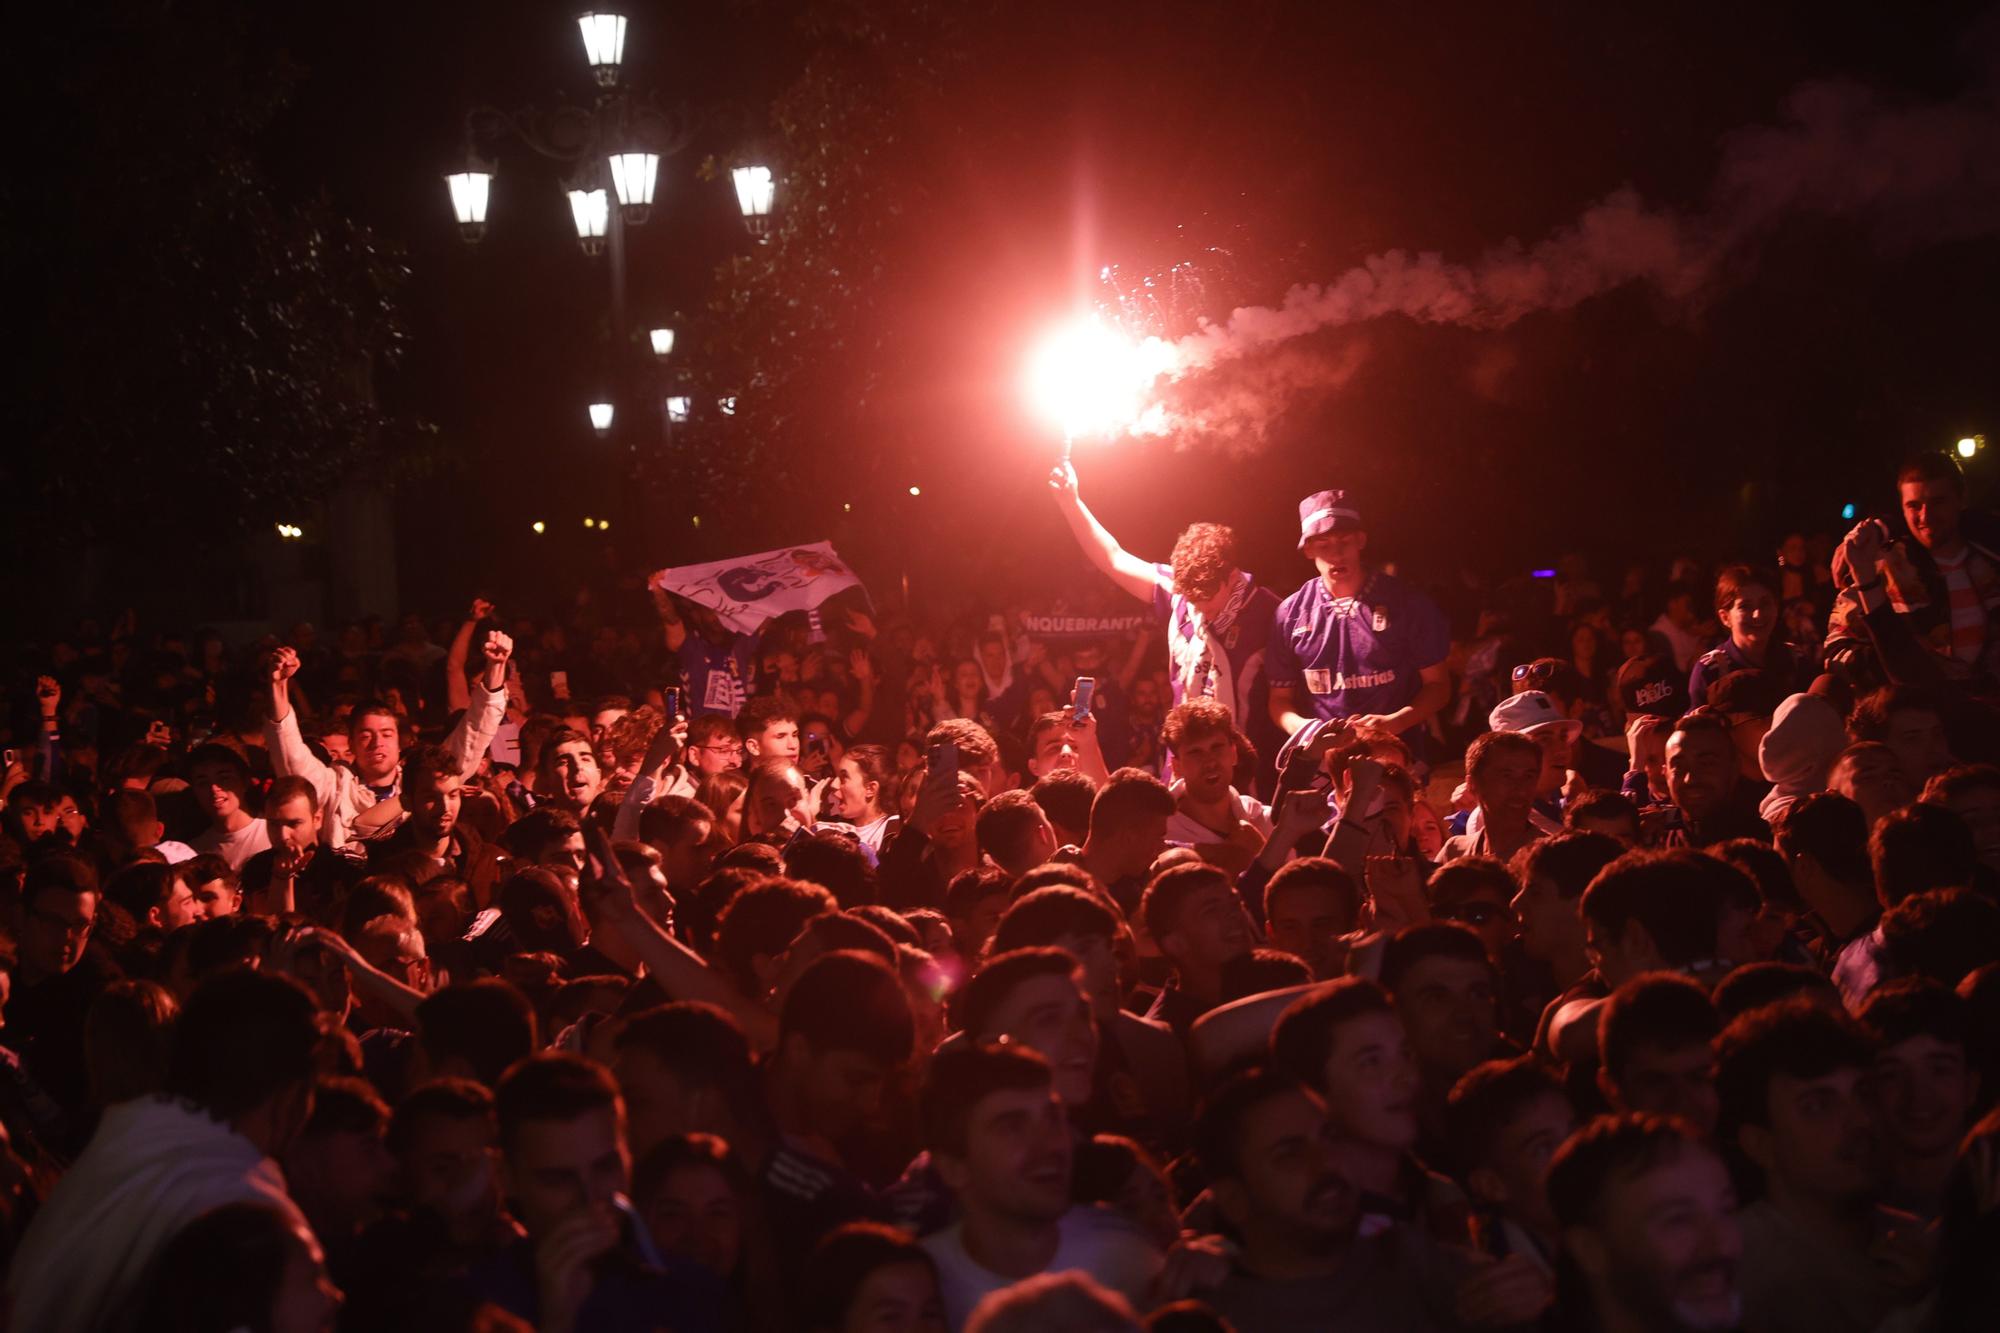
(943, 765)
(1080, 698)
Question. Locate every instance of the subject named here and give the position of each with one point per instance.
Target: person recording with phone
(939, 841)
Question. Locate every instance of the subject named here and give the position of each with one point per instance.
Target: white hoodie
(153, 1166)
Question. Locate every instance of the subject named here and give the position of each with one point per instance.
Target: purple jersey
(1356, 655)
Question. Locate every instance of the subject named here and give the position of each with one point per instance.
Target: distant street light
(663, 343)
(756, 191)
(600, 417)
(603, 44)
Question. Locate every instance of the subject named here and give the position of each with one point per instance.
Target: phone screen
(672, 703)
(1086, 687)
(944, 764)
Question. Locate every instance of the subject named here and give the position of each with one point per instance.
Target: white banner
(747, 591)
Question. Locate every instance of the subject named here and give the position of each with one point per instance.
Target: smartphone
(1086, 686)
(944, 764)
(815, 743)
(671, 702)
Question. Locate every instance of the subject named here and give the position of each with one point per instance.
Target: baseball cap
(1531, 711)
(1747, 691)
(1651, 684)
(1327, 511)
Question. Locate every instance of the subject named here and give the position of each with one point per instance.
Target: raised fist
(1062, 480)
(284, 664)
(498, 648)
(481, 608)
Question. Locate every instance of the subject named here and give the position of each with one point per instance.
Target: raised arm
(681, 972)
(289, 756)
(475, 731)
(660, 752)
(671, 625)
(1123, 568)
(863, 670)
(457, 694)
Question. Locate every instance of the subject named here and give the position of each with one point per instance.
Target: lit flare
(1086, 379)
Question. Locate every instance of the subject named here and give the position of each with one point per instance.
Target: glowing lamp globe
(1086, 379)
(1968, 446)
(756, 192)
(663, 342)
(603, 44)
(591, 210)
(633, 176)
(471, 190)
(600, 417)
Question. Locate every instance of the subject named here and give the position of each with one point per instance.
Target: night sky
(1265, 144)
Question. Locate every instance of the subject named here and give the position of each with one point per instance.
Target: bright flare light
(1086, 379)
(1968, 446)
(678, 407)
(600, 417)
(663, 342)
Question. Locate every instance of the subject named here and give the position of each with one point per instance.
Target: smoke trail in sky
(1911, 175)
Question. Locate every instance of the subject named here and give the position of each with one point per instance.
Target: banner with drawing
(748, 590)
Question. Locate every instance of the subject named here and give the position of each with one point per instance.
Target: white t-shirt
(1095, 1242)
(237, 847)
(1183, 827)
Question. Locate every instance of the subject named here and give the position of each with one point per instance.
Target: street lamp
(634, 175)
(663, 343)
(470, 191)
(592, 212)
(603, 44)
(600, 417)
(756, 191)
(679, 407)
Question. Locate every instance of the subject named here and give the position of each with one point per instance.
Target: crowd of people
(1541, 953)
